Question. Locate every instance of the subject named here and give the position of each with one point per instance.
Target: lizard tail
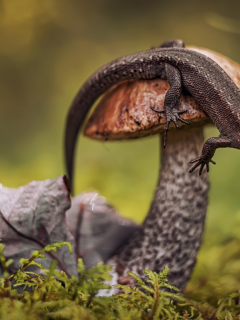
(75, 119)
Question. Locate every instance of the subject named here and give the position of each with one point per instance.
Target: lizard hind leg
(172, 98)
(173, 95)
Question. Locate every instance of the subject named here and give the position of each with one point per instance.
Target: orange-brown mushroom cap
(124, 111)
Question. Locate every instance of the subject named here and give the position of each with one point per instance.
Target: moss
(55, 295)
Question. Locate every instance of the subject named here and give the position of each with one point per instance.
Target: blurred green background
(48, 48)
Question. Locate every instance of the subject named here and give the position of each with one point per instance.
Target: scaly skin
(204, 79)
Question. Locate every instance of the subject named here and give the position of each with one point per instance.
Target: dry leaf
(37, 214)
(98, 229)
(37, 211)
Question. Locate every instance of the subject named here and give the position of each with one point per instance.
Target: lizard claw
(158, 111)
(171, 115)
(165, 135)
(201, 161)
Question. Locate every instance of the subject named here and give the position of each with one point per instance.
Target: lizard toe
(158, 111)
(194, 167)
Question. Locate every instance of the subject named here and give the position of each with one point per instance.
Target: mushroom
(171, 232)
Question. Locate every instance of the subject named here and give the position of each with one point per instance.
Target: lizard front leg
(208, 151)
(172, 98)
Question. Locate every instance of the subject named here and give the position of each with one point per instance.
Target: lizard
(203, 78)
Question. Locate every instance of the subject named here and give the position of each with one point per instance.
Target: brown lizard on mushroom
(204, 79)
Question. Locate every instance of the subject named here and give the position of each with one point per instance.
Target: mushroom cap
(124, 111)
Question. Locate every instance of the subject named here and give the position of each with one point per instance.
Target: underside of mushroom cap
(124, 111)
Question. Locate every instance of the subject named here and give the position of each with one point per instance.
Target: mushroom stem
(171, 232)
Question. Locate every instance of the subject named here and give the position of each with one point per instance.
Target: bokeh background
(48, 48)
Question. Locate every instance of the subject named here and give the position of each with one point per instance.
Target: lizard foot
(208, 152)
(171, 115)
(201, 161)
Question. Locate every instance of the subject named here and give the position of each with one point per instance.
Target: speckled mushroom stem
(171, 233)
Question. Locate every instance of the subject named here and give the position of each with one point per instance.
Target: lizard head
(173, 44)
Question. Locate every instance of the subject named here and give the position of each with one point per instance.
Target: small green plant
(54, 295)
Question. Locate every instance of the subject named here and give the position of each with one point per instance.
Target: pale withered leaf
(37, 211)
(98, 229)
